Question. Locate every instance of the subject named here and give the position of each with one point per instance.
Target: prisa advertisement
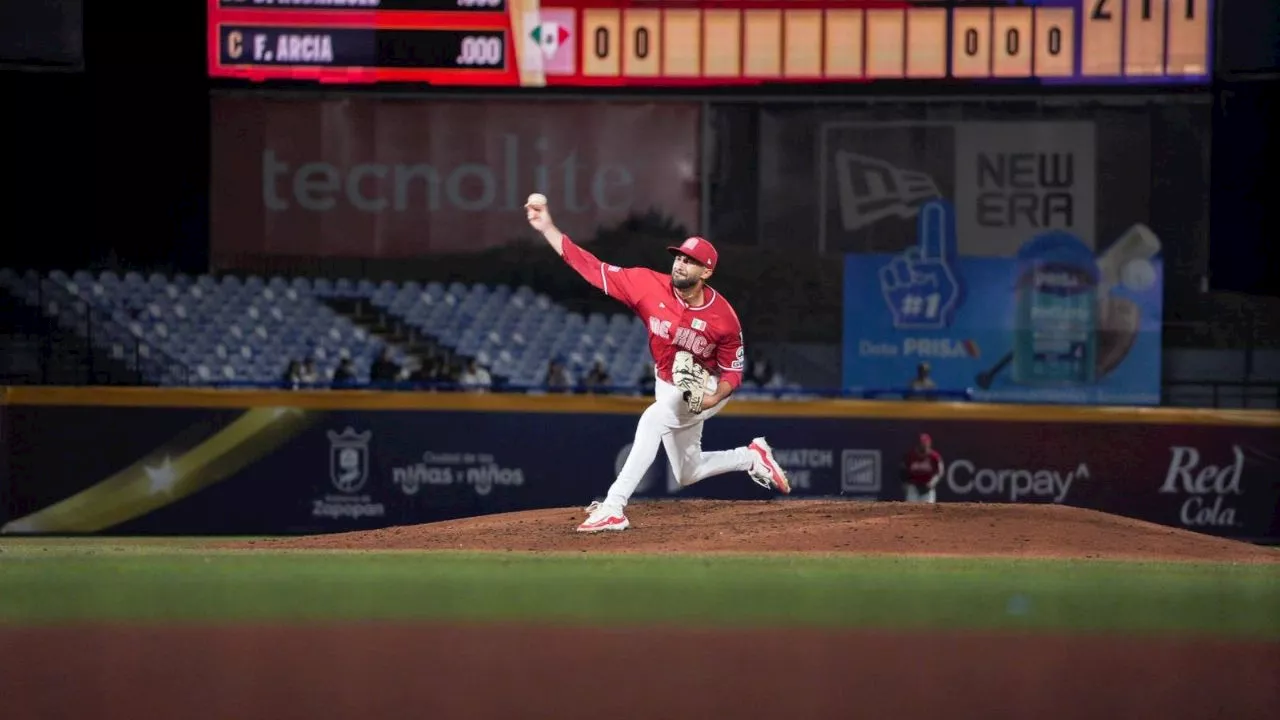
(1055, 323)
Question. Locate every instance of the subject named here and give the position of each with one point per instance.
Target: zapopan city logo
(349, 473)
(349, 459)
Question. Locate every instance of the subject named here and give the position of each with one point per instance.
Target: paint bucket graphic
(1056, 321)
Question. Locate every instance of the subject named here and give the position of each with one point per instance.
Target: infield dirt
(812, 526)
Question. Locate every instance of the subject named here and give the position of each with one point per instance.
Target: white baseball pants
(669, 422)
(915, 493)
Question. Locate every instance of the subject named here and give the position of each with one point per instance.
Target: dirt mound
(811, 526)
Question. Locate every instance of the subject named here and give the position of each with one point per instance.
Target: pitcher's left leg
(690, 464)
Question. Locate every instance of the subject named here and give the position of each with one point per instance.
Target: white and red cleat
(767, 473)
(603, 517)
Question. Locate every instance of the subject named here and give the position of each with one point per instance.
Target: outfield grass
(176, 580)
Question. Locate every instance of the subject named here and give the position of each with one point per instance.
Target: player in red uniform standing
(689, 325)
(922, 471)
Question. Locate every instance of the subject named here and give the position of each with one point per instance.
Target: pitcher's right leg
(610, 514)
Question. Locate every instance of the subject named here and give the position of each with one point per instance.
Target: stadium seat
(213, 329)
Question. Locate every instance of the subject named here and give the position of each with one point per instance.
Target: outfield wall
(159, 461)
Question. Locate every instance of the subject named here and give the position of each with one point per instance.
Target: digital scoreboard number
(658, 43)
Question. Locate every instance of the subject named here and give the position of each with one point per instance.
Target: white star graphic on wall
(162, 478)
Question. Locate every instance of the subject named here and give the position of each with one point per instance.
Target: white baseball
(536, 200)
(1138, 275)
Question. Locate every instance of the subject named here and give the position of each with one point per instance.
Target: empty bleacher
(181, 330)
(201, 330)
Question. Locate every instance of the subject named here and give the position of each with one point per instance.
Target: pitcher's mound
(811, 526)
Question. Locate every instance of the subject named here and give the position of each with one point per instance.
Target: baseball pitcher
(922, 471)
(696, 343)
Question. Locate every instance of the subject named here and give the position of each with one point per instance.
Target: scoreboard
(711, 43)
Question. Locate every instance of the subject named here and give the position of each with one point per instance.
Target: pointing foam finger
(932, 232)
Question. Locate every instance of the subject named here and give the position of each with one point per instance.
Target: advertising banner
(370, 177)
(1053, 323)
(282, 470)
(850, 178)
(1007, 180)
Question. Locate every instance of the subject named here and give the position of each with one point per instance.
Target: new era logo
(860, 472)
(871, 190)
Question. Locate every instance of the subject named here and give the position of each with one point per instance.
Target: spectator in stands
(384, 369)
(292, 375)
(597, 378)
(450, 373)
(761, 371)
(428, 372)
(557, 379)
(310, 375)
(646, 381)
(475, 378)
(345, 375)
(923, 380)
(922, 384)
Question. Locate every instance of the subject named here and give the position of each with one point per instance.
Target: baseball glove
(691, 379)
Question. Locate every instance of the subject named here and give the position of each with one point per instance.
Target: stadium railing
(632, 390)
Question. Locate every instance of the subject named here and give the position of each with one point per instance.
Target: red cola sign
(1216, 479)
(1211, 491)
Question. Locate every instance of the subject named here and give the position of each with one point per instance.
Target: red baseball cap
(699, 249)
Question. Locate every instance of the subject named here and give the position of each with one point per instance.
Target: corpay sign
(1013, 484)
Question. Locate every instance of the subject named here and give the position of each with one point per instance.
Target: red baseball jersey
(711, 332)
(922, 466)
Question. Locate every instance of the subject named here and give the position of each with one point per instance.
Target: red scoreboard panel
(673, 43)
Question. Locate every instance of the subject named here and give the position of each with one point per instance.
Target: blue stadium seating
(210, 330)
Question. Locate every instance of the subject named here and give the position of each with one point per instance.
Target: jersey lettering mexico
(710, 332)
(923, 466)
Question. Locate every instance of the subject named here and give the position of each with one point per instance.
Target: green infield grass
(177, 580)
